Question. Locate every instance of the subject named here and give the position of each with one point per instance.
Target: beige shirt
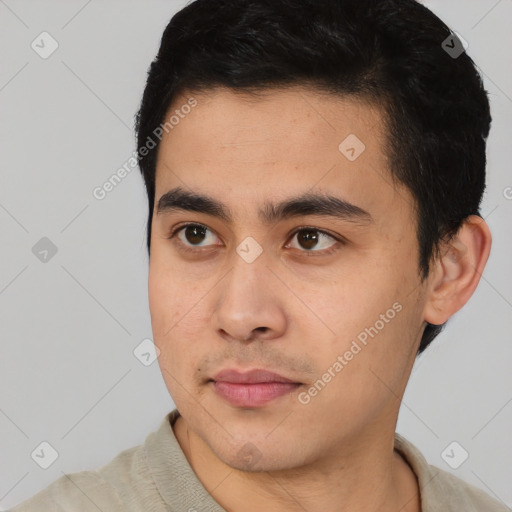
(156, 477)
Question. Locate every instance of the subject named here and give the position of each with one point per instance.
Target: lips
(251, 377)
(254, 388)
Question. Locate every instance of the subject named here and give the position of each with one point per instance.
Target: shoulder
(81, 491)
(123, 484)
(459, 495)
(442, 491)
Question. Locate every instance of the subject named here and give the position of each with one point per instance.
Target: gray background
(68, 374)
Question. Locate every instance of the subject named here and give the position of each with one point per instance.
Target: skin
(290, 311)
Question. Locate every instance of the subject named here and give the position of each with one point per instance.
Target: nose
(249, 304)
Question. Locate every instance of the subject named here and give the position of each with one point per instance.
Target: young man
(314, 172)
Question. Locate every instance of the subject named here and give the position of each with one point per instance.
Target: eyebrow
(178, 199)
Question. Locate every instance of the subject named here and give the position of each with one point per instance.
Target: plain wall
(69, 325)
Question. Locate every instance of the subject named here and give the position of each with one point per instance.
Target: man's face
(330, 300)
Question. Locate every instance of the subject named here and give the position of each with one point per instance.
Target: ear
(456, 273)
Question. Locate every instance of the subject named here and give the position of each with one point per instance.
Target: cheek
(350, 303)
(168, 295)
(178, 315)
(375, 320)
(175, 323)
(161, 301)
(362, 375)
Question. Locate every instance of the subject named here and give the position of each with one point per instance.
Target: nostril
(261, 330)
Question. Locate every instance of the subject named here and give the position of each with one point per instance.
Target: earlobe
(456, 273)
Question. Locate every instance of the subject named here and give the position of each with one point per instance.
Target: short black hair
(393, 53)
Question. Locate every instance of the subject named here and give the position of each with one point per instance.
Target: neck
(368, 477)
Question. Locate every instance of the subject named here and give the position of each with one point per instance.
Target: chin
(247, 454)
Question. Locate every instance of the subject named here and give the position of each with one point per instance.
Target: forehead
(228, 123)
(281, 142)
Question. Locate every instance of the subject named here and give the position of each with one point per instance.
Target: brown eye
(313, 240)
(195, 234)
(308, 238)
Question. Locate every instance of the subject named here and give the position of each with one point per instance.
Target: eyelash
(323, 252)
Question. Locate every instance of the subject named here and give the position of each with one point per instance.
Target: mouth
(254, 388)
